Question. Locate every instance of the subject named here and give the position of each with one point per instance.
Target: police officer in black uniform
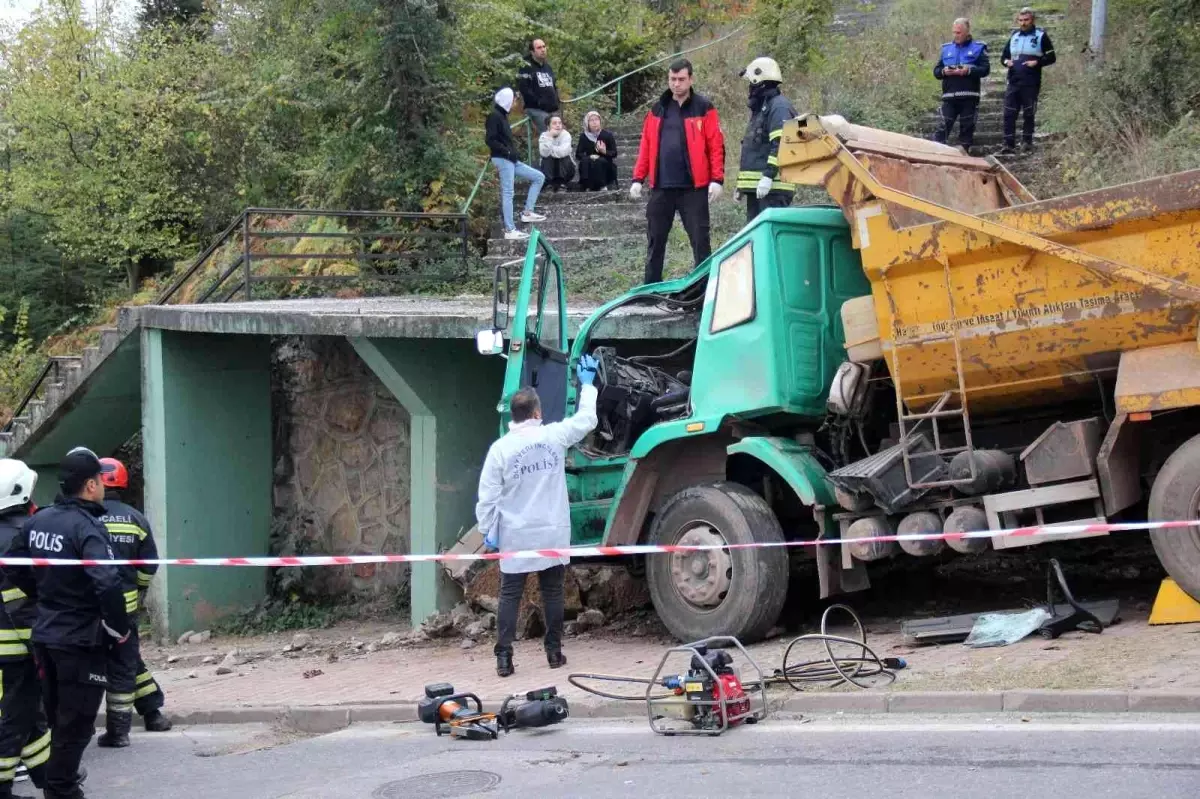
(24, 734)
(131, 686)
(80, 609)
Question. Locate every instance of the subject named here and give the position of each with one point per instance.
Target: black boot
(504, 664)
(155, 721)
(113, 739)
(556, 659)
(116, 734)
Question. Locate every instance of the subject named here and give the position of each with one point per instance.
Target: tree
(788, 30)
(108, 145)
(164, 13)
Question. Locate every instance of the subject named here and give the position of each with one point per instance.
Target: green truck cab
(710, 441)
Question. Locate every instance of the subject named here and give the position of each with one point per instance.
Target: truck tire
(1175, 496)
(694, 597)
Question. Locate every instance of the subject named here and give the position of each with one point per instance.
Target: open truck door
(537, 346)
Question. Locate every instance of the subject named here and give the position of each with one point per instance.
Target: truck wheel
(1175, 496)
(738, 592)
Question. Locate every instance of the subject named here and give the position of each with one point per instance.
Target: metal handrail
(219, 291)
(617, 81)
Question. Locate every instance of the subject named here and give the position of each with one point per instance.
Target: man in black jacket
(962, 65)
(24, 734)
(538, 91)
(131, 686)
(1028, 51)
(508, 165)
(80, 609)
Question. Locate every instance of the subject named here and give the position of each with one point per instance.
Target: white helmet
(16, 483)
(762, 69)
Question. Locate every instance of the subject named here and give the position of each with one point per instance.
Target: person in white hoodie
(555, 147)
(523, 504)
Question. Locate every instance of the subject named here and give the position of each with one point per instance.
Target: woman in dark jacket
(508, 165)
(597, 155)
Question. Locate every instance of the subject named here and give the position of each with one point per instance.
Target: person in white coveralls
(523, 505)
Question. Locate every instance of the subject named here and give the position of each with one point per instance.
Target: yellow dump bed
(1035, 296)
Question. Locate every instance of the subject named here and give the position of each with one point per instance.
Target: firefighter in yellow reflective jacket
(24, 734)
(758, 170)
(131, 686)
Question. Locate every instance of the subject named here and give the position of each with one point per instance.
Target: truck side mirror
(490, 342)
(500, 298)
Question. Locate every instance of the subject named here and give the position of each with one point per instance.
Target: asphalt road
(1080, 758)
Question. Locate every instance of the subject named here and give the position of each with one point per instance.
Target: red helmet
(113, 473)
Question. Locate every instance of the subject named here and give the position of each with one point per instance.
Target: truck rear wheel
(1175, 496)
(738, 592)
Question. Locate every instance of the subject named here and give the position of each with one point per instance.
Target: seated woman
(555, 146)
(597, 155)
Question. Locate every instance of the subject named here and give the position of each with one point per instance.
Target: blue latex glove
(586, 369)
(492, 541)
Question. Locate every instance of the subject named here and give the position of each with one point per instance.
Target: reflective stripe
(146, 690)
(123, 528)
(144, 677)
(144, 579)
(12, 594)
(131, 601)
(36, 747)
(33, 761)
(775, 134)
(9, 762)
(772, 160)
(13, 650)
(18, 634)
(8, 775)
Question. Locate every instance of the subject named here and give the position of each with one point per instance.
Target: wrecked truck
(939, 351)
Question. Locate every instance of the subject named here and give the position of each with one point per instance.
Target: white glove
(763, 188)
(635, 191)
(714, 192)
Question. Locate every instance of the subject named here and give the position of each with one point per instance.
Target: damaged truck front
(940, 353)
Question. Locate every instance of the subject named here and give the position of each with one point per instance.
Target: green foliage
(790, 30)
(588, 45)
(19, 363)
(161, 13)
(1138, 107)
(103, 140)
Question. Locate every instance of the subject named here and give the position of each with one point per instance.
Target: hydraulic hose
(862, 668)
(837, 669)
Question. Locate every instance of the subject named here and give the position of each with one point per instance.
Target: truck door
(537, 353)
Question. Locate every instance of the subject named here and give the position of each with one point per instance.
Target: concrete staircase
(55, 393)
(581, 221)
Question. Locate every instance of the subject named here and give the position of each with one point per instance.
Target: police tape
(278, 561)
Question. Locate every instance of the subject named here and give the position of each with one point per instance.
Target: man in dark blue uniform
(1028, 52)
(79, 610)
(131, 686)
(24, 734)
(962, 65)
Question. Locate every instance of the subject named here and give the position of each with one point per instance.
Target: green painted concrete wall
(450, 392)
(103, 415)
(206, 439)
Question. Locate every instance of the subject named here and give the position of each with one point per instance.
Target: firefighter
(758, 170)
(131, 686)
(79, 610)
(24, 735)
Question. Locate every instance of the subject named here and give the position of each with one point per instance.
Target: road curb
(330, 718)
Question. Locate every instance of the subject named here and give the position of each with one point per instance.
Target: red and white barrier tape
(600, 551)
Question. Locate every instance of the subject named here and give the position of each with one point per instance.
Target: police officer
(758, 170)
(80, 609)
(1029, 50)
(131, 686)
(24, 735)
(962, 65)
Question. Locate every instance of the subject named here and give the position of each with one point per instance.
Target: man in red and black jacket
(682, 155)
